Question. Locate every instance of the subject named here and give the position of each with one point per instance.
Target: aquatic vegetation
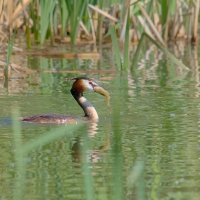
(79, 22)
(162, 20)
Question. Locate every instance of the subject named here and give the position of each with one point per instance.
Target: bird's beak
(103, 92)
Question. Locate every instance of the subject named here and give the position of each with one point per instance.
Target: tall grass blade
(86, 168)
(64, 15)
(172, 7)
(28, 36)
(196, 21)
(35, 29)
(136, 56)
(76, 10)
(117, 163)
(100, 25)
(8, 57)
(170, 10)
(127, 41)
(47, 8)
(92, 29)
(116, 48)
(164, 11)
(19, 158)
(117, 168)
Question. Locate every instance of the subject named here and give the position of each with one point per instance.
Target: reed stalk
(92, 29)
(76, 11)
(7, 68)
(47, 9)
(116, 48)
(196, 23)
(86, 169)
(117, 168)
(100, 25)
(64, 15)
(19, 183)
(127, 41)
(137, 53)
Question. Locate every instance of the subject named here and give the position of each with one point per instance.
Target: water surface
(153, 121)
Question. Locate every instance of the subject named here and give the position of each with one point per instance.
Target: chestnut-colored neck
(88, 108)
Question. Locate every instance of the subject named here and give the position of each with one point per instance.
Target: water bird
(80, 85)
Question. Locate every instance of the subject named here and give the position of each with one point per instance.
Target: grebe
(79, 86)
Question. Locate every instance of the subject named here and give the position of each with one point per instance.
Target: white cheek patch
(87, 85)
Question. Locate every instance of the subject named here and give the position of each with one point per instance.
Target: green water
(146, 146)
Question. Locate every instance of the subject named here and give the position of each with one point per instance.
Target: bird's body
(51, 119)
(78, 87)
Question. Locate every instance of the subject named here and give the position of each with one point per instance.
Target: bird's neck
(88, 108)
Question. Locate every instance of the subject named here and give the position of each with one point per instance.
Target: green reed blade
(116, 48)
(126, 43)
(19, 158)
(28, 36)
(164, 11)
(8, 56)
(117, 163)
(100, 24)
(117, 167)
(46, 8)
(172, 7)
(35, 29)
(76, 9)
(64, 15)
(86, 169)
(167, 13)
(136, 56)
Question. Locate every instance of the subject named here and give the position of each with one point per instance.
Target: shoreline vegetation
(75, 23)
(89, 21)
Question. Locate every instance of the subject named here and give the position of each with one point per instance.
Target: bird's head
(82, 84)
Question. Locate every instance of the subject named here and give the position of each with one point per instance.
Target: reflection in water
(6, 121)
(92, 129)
(76, 150)
(93, 155)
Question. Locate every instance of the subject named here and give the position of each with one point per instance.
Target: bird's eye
(92, 84)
